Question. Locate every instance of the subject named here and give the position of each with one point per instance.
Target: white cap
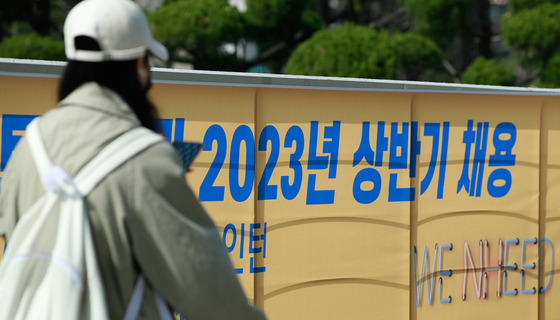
(119, 26)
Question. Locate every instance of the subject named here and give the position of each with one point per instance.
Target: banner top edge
(53, 69)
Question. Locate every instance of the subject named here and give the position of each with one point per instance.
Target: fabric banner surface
(360, 204)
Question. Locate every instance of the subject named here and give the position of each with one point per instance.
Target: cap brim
(158, 50)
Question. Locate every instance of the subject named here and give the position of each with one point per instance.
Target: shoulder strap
(112, 156)
(115, 154)
(136, 300)
(38, 151)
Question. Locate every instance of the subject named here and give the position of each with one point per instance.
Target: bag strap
(136, 299)
(112, 156)
(115, 154)
(38, 151)
(136, 302)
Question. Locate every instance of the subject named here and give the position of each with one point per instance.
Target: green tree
(460, 27)
(416, 53)
(550, 77)
(32, 29)
(35, 13)
(195, 31)
(346, 51)
(278, 26)
(438, 19)
(516, 6)
(489, 72)
(392, 39)
(533, 33)
(32, 46)
(357, 51)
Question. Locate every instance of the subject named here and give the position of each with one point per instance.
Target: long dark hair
(119, 76)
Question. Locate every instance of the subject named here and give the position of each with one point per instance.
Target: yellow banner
(362, 204)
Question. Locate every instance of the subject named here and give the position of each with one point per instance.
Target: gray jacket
(143, 216)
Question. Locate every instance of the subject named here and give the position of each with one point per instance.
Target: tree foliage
(35, 13)
(438, 19)
(462, 28)
(534, 32)
(200, 28)
(357, 51)
(550, 77)
(488, 71)
(274, 15)
(346, 51)
(195, 31)
(32, 29)
(435, 40)
(416, 53)
(517, 6)
(32, 46)
(278, 26)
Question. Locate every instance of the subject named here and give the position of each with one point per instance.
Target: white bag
(50, 260)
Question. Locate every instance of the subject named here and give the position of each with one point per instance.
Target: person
(144, 217)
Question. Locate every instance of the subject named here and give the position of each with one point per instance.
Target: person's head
(108, 42)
